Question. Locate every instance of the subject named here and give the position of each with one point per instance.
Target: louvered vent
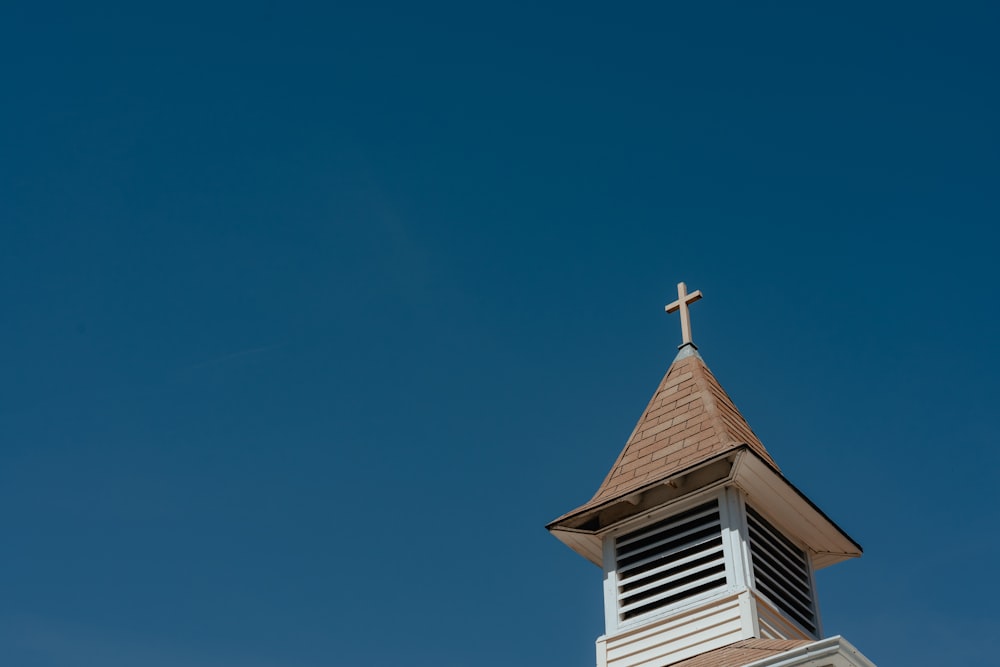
(669, 561)
(781, 571)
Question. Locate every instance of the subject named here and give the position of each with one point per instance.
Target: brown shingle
(742, 653)
(689, 419)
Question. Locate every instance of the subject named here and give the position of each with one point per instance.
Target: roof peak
(689, 419)
(685, 350)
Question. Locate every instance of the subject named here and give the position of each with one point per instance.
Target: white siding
(676, 637)
(773, 624)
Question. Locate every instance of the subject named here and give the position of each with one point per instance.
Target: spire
(708, 552)
(691, 436)
(690, 419)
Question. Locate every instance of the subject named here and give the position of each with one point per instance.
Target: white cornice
(831, 652)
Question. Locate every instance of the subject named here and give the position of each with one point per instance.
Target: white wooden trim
(743, 570)
(775, 624)
(788, 586)
(612, 611)
(602, 651)
(784, 505)
(610, 585)
(730, 541)
(748, 614)
(740, 594)
(679, 561)
(740, 501)
(632, 540)
(815, 596)
(658, 555)
(655, 598)
(707, 626)
(663, 511)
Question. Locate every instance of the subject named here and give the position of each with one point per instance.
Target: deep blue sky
(311, 317)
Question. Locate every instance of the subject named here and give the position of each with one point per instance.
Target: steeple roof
(690, 419)
(690, 438)
(707, 550)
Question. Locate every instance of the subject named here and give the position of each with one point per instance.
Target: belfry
(708, 552)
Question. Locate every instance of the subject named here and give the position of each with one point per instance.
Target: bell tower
(708, 552)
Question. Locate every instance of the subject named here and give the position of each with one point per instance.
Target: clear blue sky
(312, 316)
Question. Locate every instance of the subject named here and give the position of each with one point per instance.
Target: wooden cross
(683, 299)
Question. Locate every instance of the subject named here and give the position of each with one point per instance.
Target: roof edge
(588, 509)
(838, 650)
(742, 477)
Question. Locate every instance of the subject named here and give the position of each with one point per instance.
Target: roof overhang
(768, 491)
(582, 529)
(831, 652)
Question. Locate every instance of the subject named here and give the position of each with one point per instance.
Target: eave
(766, 489)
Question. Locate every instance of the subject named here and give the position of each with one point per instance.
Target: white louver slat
(781, 571)
(669, 561)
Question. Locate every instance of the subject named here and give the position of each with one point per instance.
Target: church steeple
(704, 545)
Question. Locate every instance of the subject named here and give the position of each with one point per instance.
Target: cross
(683, 299)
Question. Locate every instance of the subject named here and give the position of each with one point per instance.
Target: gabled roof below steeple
(834, 651)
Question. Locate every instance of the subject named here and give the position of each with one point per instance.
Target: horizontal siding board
(700, 642)
(676, 638)
(778, 626)
(672, 623)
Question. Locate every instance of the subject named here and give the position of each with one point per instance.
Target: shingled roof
(690, 419)
(742, 653)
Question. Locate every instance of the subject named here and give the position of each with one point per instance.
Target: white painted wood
(782, 572)
(602, 651)
(674, 591)
(686, 533)
(774, 624)
(742, 550)
(731, 521)
(676, 637)
(638, 529)
(832, 652)
(771, 492)
(705, 621)
(676, 506)
(815, 597)
(772, 495)
(718, 550)
(583, 542)
(610, 586)
(748, 615)
(589, 544)
(659, 529)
